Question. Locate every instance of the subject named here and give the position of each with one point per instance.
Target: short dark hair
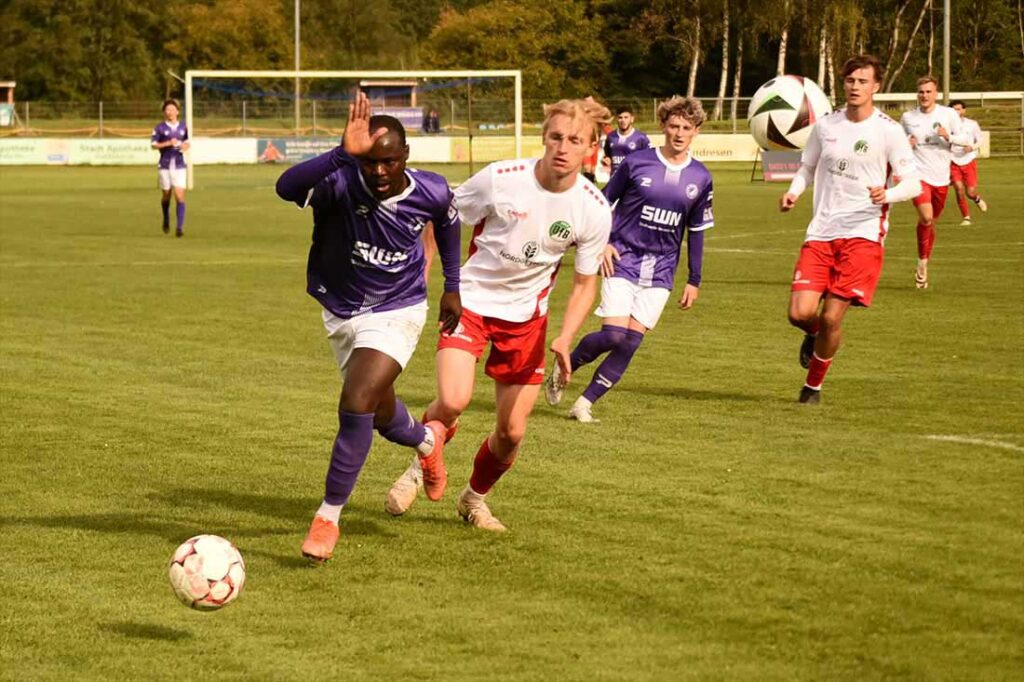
(391, 123)
(957, 101)
(864, 61)
(624, 110)
(170, 101)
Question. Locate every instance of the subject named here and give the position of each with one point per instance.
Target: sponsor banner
(56, 151)
(292, 149)
(780, 166)
(718, 147)
(211, 150)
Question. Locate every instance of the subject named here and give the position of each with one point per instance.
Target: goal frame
(191, 75)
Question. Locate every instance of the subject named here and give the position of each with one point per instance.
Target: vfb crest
(560, 230)
(860, 147)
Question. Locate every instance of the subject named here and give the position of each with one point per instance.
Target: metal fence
(1003, 118)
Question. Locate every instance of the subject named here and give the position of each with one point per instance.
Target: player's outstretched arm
(581, 299)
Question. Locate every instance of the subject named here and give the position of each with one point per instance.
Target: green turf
(708, 528)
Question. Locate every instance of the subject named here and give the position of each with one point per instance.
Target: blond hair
(927, 79)
(687, 108)
(591, 113)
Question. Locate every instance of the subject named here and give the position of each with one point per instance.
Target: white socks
(427, 446)
(331, 512)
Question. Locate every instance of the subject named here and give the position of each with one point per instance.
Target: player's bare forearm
(581, 299)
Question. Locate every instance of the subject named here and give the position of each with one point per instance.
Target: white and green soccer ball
(784, 110)
(207, 572)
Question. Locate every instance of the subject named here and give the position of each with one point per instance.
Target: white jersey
(847, 158)
(521, 233)
(971, 132)
(932, 152)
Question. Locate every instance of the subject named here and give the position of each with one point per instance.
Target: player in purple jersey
(658, 195)
(366, 270)
(622, 142)
(170, 136)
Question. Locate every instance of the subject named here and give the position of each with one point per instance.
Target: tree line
(92, 50)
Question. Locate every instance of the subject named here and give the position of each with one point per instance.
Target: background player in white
(170, 136)
(932, 130)
(964, 169)
(526, 214)
(848, 157)
(659, 196)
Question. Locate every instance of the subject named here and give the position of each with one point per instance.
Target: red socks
(487, 469)
(925, 240)
(816, 371)
(964, 210)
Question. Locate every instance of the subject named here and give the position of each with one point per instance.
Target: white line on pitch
(149, 263)
(753, 234)
(976, 441)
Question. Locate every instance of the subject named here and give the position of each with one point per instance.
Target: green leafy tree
(555, 42)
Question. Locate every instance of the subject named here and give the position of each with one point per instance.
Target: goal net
(465, 118)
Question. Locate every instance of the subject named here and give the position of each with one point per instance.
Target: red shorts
(936, 196)
(849, 268)
(967, 174)
(517, 348)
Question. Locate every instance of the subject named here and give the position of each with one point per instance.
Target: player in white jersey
(849, 157)
(964, 169)
(932, 130)
(526, 214)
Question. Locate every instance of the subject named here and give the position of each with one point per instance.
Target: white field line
(976, 441)
(152, 263)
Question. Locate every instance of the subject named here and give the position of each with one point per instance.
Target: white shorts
(394, 333)
(172, 177)
(622, 298)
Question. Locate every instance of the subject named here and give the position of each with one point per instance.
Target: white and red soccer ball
(207, 572)
(784, 110)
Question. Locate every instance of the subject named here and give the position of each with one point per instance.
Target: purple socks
(595, 344)
(614, 366)
(181, 215)
(351, 447)
(165, 206)
(403, 429)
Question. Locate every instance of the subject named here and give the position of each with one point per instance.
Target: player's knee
(509, 436)
(446, 409)
(831, 321)
(800, 317)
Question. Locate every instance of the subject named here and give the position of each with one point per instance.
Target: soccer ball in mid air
(207, 572)
(784, 110)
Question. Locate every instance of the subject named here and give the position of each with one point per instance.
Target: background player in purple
(366, 270)
(661, 195)
(170, 136)
(622, 142)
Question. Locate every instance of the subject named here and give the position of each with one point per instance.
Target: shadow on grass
(146, 631)
(697, 394)
(134, 524)
(275, 506)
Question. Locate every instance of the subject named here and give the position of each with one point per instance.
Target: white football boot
(581, 411)
(404, 490)
(554, 386)
(474, 511)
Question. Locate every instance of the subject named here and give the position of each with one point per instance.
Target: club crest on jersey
(560, 231)
(860, 147)
(691, 191)
(363, 210)
(417, 224)
(530, 249)
(453, 210)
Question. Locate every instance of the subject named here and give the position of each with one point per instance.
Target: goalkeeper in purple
(366, 270)
(659, 196)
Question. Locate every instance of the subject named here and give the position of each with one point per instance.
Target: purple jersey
(170, 157)
(617, 147)
(657, 203)
(367, 255)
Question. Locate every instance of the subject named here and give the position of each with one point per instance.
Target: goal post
(194, 76)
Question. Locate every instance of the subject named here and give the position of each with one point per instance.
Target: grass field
(708, 528)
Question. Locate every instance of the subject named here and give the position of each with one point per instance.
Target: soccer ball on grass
(207, 572)
(784, 110)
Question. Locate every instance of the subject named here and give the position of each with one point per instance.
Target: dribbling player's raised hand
(787, 201)
(877, 195)
(357, 139)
